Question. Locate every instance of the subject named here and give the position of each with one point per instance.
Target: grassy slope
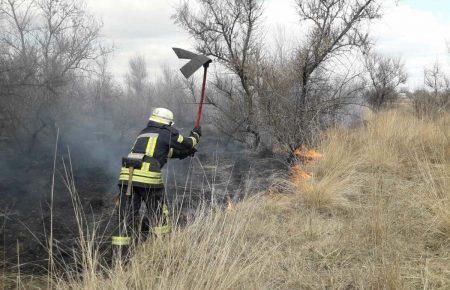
(375, 215)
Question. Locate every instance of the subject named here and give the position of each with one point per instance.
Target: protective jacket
(156, 143)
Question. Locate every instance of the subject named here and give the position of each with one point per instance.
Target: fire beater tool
(196, 61)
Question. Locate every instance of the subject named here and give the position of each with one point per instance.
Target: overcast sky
(416, 30)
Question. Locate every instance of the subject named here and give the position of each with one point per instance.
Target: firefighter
(153, 146)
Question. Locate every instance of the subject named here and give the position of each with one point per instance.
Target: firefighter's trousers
(134, 224)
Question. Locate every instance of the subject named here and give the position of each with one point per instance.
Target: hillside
(372, 212)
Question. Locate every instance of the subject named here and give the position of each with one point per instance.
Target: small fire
(306, 156)
(298, 174)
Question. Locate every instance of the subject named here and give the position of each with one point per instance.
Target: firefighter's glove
(196, 133)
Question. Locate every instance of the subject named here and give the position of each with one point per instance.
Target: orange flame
(306, 156)
(298, 174)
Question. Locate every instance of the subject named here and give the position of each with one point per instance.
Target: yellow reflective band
(151, 145)
(194, 141)
(170, 153)
(146, 177)
(150, 174)
(180, 138)
(120, 241)
(123, 176)
(162, 230)
(159, 120)
(145, 180)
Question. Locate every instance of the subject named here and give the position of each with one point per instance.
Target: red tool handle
(202, 98)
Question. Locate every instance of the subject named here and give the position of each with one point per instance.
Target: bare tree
(137, 77)
(436, 80)
(385, 75)
(285, 98)
(47, 44)
(337, 27)
(435, 98)
(330, 99)
(228, 30)
(135, 103)
(176, 93)
(308, 93)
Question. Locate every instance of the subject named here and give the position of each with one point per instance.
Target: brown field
(372, 213)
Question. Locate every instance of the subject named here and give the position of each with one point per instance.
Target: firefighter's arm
(179, 142)
(181, 154)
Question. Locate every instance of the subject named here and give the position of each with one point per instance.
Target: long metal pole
(202, 97)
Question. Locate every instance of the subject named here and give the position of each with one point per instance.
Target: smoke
(94, 135)
(98, 120)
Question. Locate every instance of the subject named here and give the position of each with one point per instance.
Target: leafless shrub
(45, 45)
(303, 98)
(435, 98)
(292, 124)
(385, 75)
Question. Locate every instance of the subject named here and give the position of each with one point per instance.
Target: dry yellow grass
(375, 215)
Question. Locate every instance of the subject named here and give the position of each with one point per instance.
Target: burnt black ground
(218, 172)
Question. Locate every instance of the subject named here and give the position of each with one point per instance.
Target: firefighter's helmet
(162, 115)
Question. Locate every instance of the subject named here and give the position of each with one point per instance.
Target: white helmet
(162, 115)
